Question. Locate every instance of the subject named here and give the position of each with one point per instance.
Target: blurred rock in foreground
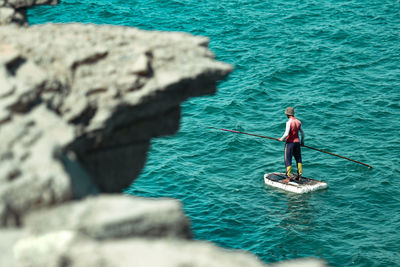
(14, 11)
(80, 103)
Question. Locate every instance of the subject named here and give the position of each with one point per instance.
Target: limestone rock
(116, 87)
(31, 171)
(114, 216)
(9, 15)
(67, 248)
(8, 238)
(80, 103)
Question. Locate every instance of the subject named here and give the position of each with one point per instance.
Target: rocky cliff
(80, 103)
(78, 107)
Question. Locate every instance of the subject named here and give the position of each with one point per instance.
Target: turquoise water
(337, 63)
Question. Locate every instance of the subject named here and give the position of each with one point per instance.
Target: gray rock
(80, 103)
(8, 55)
(33, 165)
(8, 238)
(70, 249)
(31, 172)
(114, 216)
(115, 87)
(9, 15)
(47, 250)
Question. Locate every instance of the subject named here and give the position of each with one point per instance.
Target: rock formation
(78, 107)
(14, 11)
(80, 103)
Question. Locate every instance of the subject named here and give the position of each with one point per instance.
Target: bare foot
(287, 180)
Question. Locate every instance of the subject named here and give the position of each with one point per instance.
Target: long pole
(320, 150)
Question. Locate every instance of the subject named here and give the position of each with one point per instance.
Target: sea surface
(338, 63)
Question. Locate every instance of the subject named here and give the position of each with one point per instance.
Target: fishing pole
(320, 150)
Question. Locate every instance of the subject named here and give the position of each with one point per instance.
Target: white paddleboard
(306, 185)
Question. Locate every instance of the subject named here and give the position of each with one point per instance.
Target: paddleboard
(306, 185)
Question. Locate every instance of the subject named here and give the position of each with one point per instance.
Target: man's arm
(286, 131)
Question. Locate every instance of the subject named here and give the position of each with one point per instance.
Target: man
(292, 146)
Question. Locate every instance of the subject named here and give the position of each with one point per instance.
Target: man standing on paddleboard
(292, 146)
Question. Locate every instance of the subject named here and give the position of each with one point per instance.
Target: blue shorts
(292, 150)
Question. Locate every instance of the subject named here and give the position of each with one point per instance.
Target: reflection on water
(299, 216)
(297, 221)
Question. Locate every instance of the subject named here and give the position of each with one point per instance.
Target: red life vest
(293, 136)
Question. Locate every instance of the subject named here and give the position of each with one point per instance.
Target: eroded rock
(31, 171)
(9, 15)
(80, 103)
(8, 238)
(114, 216)
(67, 248)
